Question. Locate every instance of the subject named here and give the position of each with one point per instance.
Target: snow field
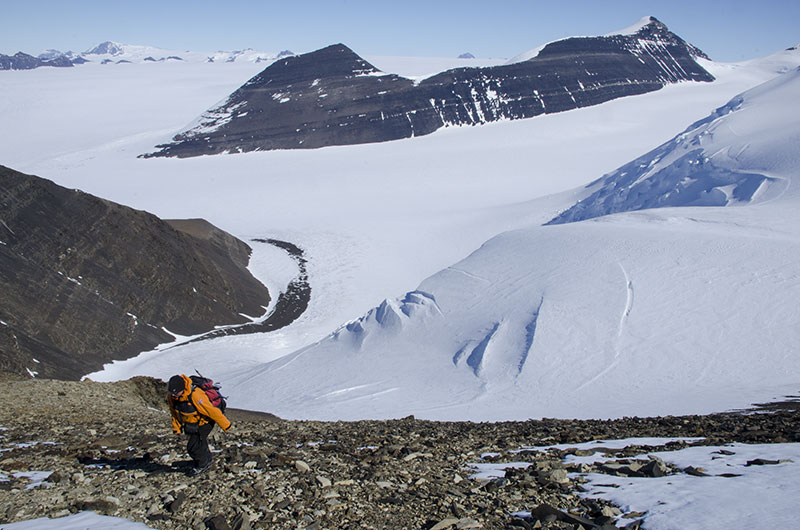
(582, 303)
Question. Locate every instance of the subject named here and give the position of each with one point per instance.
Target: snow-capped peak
(106, 48)
(630, 30)
(635, 28)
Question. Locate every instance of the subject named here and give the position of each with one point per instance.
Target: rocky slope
(108, 447)
(86, 281)
(334, 97)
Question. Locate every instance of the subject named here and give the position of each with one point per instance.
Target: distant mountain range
(110, 52)
(23, 61)
(334, 97)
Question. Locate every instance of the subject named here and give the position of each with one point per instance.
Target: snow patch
(78, 521)
(212, 120)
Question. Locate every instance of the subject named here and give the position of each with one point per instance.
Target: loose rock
(405, 473)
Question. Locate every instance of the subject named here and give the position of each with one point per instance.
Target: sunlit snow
(599, 318)
(734, 493)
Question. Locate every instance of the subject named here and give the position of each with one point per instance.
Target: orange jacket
(194, 407)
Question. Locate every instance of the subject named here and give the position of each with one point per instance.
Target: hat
(176, 384)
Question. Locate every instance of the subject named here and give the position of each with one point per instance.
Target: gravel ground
(109, 448)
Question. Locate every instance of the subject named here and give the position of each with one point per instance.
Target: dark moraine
(291, 303)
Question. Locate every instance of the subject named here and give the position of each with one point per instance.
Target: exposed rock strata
(110, 449)
(334, 97)
(86, 281)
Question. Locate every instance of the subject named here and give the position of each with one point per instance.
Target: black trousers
(197, 445)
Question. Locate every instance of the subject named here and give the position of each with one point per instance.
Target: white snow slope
(657, 311)
(661, 311)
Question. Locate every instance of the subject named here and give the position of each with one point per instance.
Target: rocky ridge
(108, 447)
(334, 97)
(86, 281)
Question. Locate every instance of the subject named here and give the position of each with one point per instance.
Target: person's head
(176, 386)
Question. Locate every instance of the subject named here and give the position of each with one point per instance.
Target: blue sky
(730, 30)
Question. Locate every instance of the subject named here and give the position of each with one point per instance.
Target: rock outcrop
(86, 281)
(334, 97)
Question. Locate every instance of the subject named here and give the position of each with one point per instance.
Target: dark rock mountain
(333, 97)
(86, 281)
(23, 61)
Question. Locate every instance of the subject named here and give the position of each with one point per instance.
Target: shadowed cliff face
(333, 97)
(86, 281)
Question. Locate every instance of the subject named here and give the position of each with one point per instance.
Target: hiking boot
(199, 470)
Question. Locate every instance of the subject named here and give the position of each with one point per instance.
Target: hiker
(195, 415)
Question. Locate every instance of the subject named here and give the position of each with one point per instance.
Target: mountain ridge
(680, 172)
(333, 97)
(86, 281)
(23, 61)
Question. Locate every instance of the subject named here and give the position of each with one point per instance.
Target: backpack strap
(191, 399)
